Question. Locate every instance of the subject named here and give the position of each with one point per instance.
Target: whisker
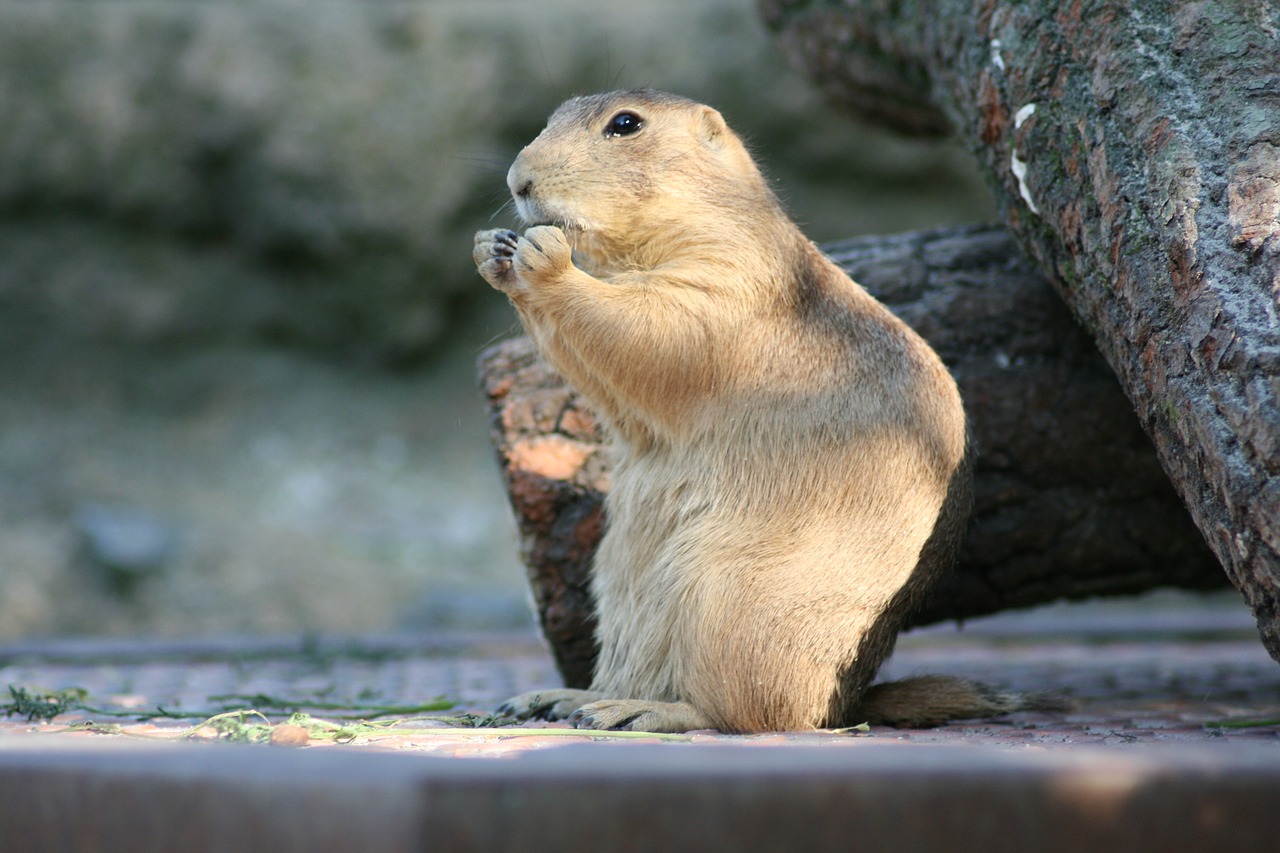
(546, 69)
(513, 329)
(484, 163)
(508, 205)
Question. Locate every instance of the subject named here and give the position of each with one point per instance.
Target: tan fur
(789, 457)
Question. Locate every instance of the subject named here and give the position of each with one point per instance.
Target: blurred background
(238, 315)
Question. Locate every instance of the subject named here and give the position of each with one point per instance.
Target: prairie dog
(790, 466)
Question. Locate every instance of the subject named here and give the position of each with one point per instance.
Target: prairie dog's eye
(624, 123)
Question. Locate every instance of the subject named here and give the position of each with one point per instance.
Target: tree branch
(1135, 150)
(1070, 501)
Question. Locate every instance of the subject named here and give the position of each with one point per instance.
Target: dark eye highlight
(624, 123)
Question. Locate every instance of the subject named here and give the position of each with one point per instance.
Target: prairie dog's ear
(723, 143)
(710, 125)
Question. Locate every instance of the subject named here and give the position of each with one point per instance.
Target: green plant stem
(260, 700)
(1242, 724)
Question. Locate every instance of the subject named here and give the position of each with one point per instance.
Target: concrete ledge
(866, 796)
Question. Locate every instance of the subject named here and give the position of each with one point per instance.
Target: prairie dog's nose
(520, 183)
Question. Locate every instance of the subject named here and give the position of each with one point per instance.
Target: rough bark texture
(1135, 150)
(549, 452)
(1070, 500)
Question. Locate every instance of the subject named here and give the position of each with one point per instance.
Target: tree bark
(1070, 500)
(1135, 152)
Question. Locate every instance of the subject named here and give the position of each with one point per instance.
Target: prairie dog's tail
(932, 700)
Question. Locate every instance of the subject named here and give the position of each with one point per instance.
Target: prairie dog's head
(621, 169)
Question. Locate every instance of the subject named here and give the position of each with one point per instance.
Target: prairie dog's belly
(688, 558)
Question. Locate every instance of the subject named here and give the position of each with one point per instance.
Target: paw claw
(493, 254)
(505, 242)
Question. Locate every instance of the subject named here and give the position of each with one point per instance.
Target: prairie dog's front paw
(493, 253)
(543, 252)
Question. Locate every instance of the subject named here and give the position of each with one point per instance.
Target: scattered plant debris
(42, 705)
(239, 724)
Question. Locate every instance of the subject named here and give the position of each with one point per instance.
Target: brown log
(1070, 500)
(1135, 151)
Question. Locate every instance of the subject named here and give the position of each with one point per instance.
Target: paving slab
(1173, 745)
(865, 795)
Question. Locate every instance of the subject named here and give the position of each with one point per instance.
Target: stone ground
(1143, 762)
(1175, 677)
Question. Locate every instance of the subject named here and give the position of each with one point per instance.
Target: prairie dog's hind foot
(640, 715)
(556, 704)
